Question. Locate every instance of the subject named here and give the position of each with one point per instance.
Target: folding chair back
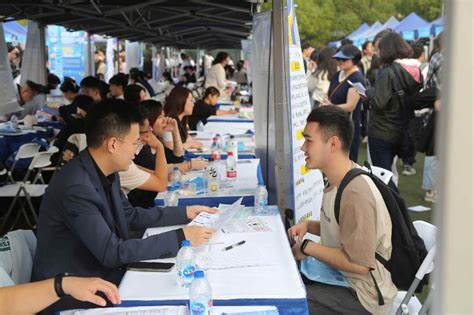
(26, 151)
(406, 302)
(41, 160)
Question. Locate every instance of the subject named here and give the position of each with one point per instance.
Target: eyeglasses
(138, 144)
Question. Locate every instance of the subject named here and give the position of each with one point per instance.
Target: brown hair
(175, 103)
(392, 46)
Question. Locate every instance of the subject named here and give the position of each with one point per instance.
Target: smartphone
(150, 266)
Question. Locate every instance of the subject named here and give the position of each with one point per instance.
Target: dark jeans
(330, 299)
(354, 149)
(382, 154)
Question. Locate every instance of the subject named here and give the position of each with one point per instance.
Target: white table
(279, 284)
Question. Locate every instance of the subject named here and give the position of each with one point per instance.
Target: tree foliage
(322, 21)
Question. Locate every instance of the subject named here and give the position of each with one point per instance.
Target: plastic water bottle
(185, 264)
(171, 198)
(215, 149)
(199, 126)
(231, 166)
(233, 146)
(176, 178)
(212, 177)
(200, 295)
(14, 121)
(261, 200)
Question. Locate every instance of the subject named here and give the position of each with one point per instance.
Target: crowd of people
(121, 139)
(394, 125)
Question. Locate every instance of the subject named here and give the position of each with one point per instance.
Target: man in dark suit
(85, 218)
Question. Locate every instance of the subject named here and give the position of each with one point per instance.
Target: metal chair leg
(10, 209)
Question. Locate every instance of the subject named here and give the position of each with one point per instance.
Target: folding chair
(25, 190)
(26, 151)
(406, 302)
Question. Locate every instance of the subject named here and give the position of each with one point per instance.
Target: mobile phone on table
(150, 266)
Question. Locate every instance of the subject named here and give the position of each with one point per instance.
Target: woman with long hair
(387, 116)
(217, 74)
(326, 67)
(179, 105)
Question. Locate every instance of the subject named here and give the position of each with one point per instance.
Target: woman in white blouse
(325, 69)
(216, 75)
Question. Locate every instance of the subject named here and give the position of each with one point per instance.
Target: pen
(233, 245)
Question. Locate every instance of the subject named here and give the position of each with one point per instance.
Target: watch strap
(303, 246)
(58, 284)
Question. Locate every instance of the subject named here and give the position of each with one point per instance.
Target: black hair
(333, 121)
(240, 65)
(346, 41)
(392, 46)
(104, 89)
(167, 77)
(38, 88)
(132, 93)
(211, 91)
(91, 82)
(119, 80)
(305, 46)
(314, 55)
(364, 45)
(69, 85)
(83, 101)
(154, 110)
(221, 56)
(326, 63)
(53, 79)
(418, 49)
(381, 34)
(110, 118)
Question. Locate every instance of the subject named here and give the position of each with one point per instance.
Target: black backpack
(408, 248)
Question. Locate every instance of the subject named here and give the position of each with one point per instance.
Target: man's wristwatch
(58, 284)
(303, 246)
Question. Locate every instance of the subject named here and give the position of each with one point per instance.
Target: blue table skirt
(9, 144)
(241, 120)
(211, 201)
(285, 306)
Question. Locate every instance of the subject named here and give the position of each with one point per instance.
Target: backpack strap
(345, 181)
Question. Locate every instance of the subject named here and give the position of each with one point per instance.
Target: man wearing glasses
(85, 219)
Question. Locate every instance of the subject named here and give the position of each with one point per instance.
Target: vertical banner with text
(308, 184)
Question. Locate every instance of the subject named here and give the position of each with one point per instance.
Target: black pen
(233, 245)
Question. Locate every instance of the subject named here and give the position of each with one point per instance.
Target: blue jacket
(76, 232)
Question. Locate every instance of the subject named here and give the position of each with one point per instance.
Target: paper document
(246, 226)
(419, 208)
(142, 310)
(359, 87)
(237, 257)
(219, 220)
(320, 272)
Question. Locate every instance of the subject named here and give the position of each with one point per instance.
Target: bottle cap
(198, 274)
(185, 243)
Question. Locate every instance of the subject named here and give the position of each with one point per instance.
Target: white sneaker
(408, 170)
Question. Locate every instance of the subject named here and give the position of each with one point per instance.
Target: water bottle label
(231, 173)
(263, 202)
(188, 272)
(198, 308)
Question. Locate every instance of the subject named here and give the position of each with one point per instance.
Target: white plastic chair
(406, 302)
(26, 151)
(25, 190)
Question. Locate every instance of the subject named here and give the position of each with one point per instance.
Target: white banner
(308, 185)
(110, 54)
(34, 59)
(8, 97)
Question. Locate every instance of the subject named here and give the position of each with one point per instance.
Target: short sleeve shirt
(132, 178)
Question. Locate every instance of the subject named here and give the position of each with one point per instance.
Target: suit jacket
(77, 233)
